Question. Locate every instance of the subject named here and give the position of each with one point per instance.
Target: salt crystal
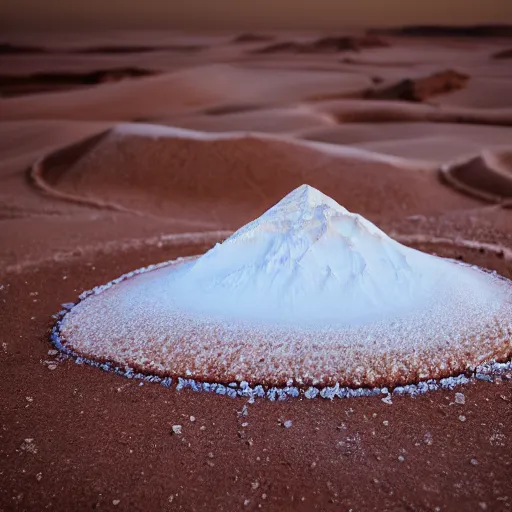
(460, 398)
(176, 429)
(387, 400)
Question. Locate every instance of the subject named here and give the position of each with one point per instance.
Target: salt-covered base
(485, 372)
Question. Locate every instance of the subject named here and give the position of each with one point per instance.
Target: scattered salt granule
(307, 273)
(387, 400)
(176, 429)
(192, 419)
(29, 446)
(460, 398)
(116, 502)
(474, 462)
(462, 418)
(287, 424)
(401, 458)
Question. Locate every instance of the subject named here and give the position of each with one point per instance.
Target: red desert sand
(97, 180)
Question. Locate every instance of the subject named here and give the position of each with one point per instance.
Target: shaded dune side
(231, 179)
(330, 44)
(503, 54)
(383, 111)
(487, 175)
(15, 85)
(7, 48)
(252, 37)
(59, 162)
(17, 49)
(421, 89)
(481, 30)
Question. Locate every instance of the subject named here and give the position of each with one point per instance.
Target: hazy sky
(236, 14)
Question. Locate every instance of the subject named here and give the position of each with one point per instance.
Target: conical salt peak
(303, 209)
(305, 198)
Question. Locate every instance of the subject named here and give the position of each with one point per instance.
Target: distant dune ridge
(487, 175)
(484, 30)
(422, 88)
(9, 48)
(252, 37)
(329, 44)
(14, 85)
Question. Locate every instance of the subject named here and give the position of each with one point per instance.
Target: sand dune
(269, 120)
(13, 85)
(383, 111)
(480, 92)
(436, 142)
(140, 49)
(484, 30)
(252, 37)
(18, 138)
(487, 175)
(182, 91)
(230, 178)
(16, 49)
(9, 48)
(422, 88)
(331, 44)
(503, 54)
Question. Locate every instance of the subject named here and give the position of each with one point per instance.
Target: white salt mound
(308, 293)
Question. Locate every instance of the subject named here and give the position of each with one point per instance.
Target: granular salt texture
(308, 295)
